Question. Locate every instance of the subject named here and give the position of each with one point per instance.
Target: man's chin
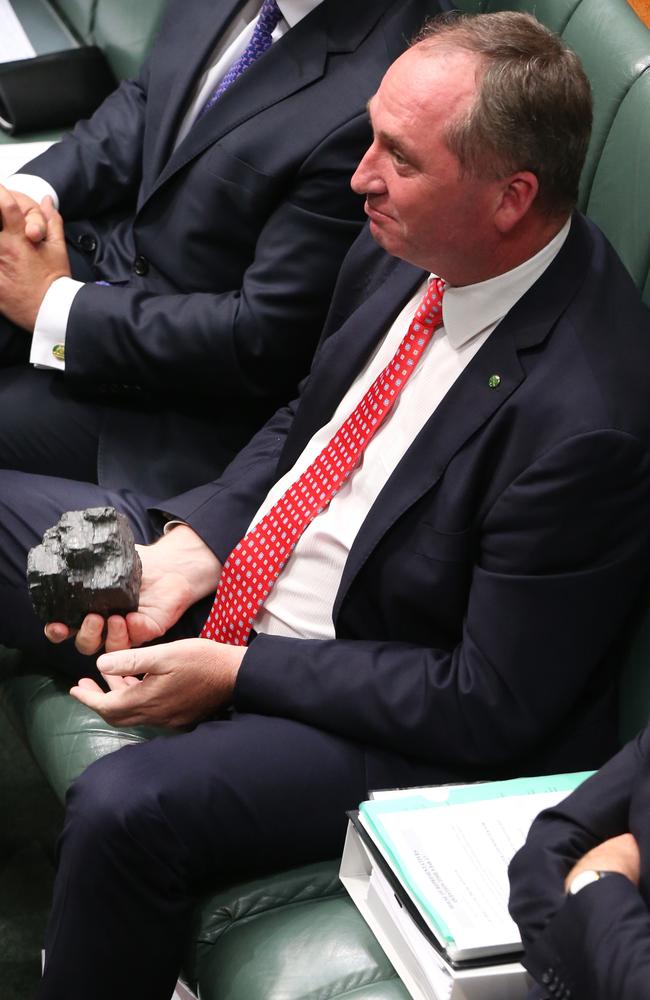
(382, 237)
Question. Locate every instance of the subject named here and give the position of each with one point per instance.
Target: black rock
(86, 562)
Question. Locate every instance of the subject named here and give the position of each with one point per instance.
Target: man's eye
(398, 158)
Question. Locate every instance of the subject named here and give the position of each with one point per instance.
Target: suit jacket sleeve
(97, 167)
(597, 943)
(255, 340)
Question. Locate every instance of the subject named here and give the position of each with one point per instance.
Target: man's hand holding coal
(171, 684)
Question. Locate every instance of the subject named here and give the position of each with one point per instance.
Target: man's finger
(13, 220)
(114, 681)
(90, 636)
(131, 662)
(35, 225)
(142, 628)
(57, 632)
(52, 220)
(117, 634)
(119, 707)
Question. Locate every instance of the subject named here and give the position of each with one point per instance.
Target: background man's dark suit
(473, 620)
(595, 944)
(230, 244)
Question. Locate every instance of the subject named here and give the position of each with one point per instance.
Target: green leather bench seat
(295, 935)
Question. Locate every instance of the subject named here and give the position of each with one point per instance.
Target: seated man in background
(420, 566)
(208, 208)
(580, 890)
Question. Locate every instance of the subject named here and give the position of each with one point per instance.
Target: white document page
(14, 43)
(454, 861)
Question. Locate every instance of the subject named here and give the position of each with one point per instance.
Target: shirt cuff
(48, 341)
(174, 523)
(33, 186)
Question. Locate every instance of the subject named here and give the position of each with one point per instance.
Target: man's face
(420, 207)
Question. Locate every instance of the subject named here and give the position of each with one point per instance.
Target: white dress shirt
(302, 599)
(52, 318)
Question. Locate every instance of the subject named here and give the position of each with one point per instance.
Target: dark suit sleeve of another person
(252, 340)
(97, 168)
(229, 250)
(595, 944)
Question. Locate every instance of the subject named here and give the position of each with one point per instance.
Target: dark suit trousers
(150, 828)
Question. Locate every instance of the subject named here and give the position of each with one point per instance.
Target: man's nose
(366, 178)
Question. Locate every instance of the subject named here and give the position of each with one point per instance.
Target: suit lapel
(294, 62)
(175, 71)
(471, 402)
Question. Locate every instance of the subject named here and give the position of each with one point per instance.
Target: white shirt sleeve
(34, 187)
(48, 341)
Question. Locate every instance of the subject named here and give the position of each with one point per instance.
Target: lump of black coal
(86, 562)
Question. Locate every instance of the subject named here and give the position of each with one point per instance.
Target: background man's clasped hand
(33, 254)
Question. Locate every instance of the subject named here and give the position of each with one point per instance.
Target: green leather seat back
(614, 47)
(125, 31)
(122, 28)
(554, 14)
(470, 6)
(78, 15)
(619, 201)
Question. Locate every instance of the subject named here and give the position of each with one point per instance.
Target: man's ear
(516, 197)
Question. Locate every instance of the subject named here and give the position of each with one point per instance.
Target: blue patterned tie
(260, 41)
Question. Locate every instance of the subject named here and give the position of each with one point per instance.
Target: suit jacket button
(141, 266)
(87, 242)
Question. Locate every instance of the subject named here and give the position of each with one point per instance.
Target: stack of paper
(428, 867)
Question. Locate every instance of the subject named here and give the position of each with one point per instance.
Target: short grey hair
(533, 110)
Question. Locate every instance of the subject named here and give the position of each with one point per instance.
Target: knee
(114, 808)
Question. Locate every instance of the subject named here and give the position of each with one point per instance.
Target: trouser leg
(151, 828)
(46, 429)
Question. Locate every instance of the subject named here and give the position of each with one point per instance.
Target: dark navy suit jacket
(231, 243)
(594, 945)
(480, 605)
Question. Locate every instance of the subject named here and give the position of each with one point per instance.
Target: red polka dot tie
(256, 562)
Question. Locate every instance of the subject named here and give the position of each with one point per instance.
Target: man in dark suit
(219, 233)
(580, 888)
(449, 610)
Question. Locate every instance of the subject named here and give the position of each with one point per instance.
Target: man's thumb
(53, 219)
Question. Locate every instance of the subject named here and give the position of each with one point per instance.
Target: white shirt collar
(469, 310)
(294, 10)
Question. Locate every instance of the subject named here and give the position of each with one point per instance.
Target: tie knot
(269, 14)
(430, 307)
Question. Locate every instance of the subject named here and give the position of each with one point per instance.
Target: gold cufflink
(59, 352)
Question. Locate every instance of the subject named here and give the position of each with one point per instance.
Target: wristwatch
(586, 878)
